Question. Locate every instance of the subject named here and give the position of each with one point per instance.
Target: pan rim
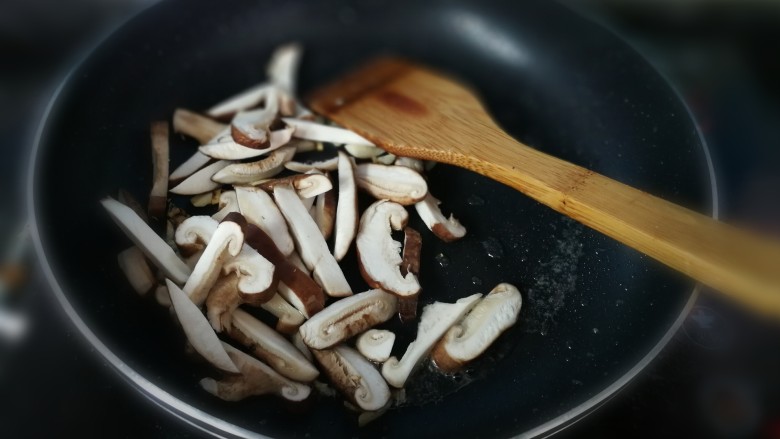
(219, 427)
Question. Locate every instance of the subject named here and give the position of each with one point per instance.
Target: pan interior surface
(593, 309)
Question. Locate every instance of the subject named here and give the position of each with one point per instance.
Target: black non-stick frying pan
(595, 312)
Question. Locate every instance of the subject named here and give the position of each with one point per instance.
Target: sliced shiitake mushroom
(221, 301)
(318, 132)
(347, 317)
(190, 166)
(243, 173)
(256, 378)
(282, 69)
(197, 126)
(198, 331)
(259, 209)
(289, 318)
(378, 253)
(245, 100)
(408, 162)
(361, 151)
(154, 247)
(226, 242)
(354, 376)
(436, 319)
(465, 341)
(194, 233)
(158, 196)
(447, 229)
(306, 185)
(325, 213)
(346, 209)
(200, 181)
(311, 245)
(323, 165)
(267, 345)
(226, 148)
(137, 271)
(395, 183)
(376, 344)
(407, 305)
(228, 203)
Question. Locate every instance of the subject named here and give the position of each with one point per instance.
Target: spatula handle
(718, 255)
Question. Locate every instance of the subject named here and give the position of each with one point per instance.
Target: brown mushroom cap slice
(133, 264)
(222, 300)
(158, 196)
(194, 233)
(395, 183)
(250, 128)
(200, 181)
(242, 173)
(436, 319)
(256, 378)
(290, 319)
(311, 245)
(259, 209)
(325, 213)
(306, 185)
(226, 242)
(465, 341)
(190, 166)
(198, 331)
(354, 376)
(379, 254)
(199, 127)
(257, 279)
(447, 229)
(376, 344)
(348, 317)
(228, 203)
(272, 348)
(226, 148)
(318, 132)
(154, 247)
(330, 164)
(346, 209)
(407, 305)
(295, 285)
(247, 99)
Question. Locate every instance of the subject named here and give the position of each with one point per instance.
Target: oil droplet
(595, 330)
(493, 248)
(475, 201)
(476, 281)
(443, 260)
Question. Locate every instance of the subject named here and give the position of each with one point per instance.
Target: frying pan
(595, 312)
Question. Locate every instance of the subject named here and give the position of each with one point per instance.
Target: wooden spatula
(412, 111)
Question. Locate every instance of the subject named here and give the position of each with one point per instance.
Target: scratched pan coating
(593, 310)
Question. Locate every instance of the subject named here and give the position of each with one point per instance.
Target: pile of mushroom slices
(275, 244)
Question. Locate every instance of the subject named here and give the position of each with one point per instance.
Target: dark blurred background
(717, 378)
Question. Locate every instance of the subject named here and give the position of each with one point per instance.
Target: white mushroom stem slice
(295, 285)
(226, 148)
(325, 213)
(245, 100)
(256, 378)
(225, 244)
(154, 247)
(446, 229)
(408, 162)
(378, 253)
(297, 341)
(267, 345)
(348, 317)
(158, 196)
(346, 209)
(323, 165)
(190, 166)
(199, 127)
(407, 305)
(394, 183)
(290, 319)
(133, 264)
(306, 185)
(311, 245)
(242, 173)
(493, 315)
(436, 319)
(200, 181)
(282, 69)
(308, 130)
(355, 377)
(361, 151)
(198, 331)
(194, 233)
(222, 300)
(376, 344)
(228, 203)
(259, 209)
